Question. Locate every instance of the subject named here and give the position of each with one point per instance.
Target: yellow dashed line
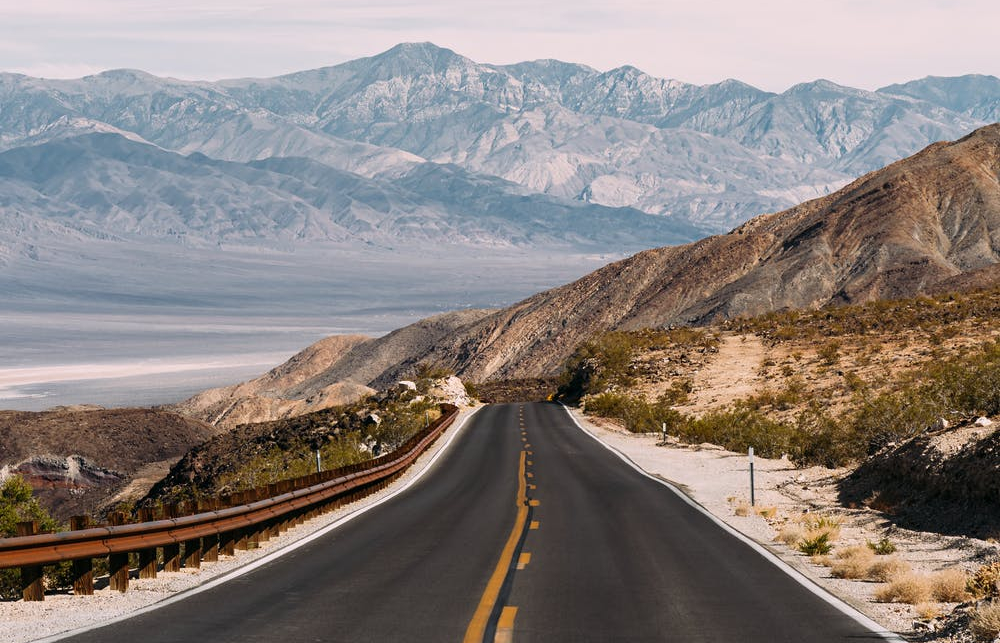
(534, 503)
(523, 560)
(531, 475)
(533, 525)
(505, 626)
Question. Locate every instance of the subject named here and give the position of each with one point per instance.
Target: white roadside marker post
(664, 433)
(752, 499)
(319, 463)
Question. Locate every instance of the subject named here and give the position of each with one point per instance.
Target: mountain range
(705, 157)
(928, 223)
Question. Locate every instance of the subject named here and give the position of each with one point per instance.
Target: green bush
(637, 415)
(17, 504)
(818, 545)
(738, 428)
(883, 547)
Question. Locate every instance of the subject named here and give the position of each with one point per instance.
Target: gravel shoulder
(21, 622)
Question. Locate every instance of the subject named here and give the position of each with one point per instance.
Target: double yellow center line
(480, 620)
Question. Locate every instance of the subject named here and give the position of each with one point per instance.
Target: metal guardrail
(264, 512)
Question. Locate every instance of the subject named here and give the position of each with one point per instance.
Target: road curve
(604, 554)
(412, 569)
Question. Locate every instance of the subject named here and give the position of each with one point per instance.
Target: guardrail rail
(194, 532)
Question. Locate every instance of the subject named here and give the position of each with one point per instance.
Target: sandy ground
(21, 622)
(719, 481)
(733, 374)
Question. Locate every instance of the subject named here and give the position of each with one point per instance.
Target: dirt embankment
(78, 460)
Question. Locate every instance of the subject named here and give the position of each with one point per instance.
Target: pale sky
(771, 44)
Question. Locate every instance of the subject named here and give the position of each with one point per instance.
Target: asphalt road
(604, 554)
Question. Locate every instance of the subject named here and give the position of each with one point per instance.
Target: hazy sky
(772, 44)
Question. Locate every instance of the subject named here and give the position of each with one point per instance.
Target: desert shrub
(883, 547)
(817, 543)
(928, 611)
(598, 365)
(829, 352)
(605, 362)
(18, 504)
(679, 392)
(791, 534)
(885, 316)
(819, 532)
(821, 439)
(969, 384)
(737, 429)
(889, 417)
(886, 568)
(907, 588)
(985, 581)
(428, 373)
(742, 508)
(635, 413)
(783, 399)
(985, 621)
(767, 513)
(852, 562)
(948, 586)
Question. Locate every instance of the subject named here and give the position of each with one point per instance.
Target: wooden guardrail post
(192, 547)
(118, 563)
(273, 528)
(171, 551)
(83, 568)
(148, 562)
(253, 532)
(210, 543)
(32, 588)
(227, 540)
(242, 544)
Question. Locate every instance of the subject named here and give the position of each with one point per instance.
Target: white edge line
(278, 553)
(798, 576)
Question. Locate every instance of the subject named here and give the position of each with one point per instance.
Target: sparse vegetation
(884, 316)
(883, 547)
(791, 534)
(258, 454)
(948, 586)
(789, 419)
(884, 569)
(17, 504)
(815, 544)
(767, 513)
(905, 588)
(605, 363)
(985, 581)
(852, 562)
(928, 611)
(985, 621)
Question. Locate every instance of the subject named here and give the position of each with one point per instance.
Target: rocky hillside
(80, 459)
(331, 372)
(928, 222)
(942, 480)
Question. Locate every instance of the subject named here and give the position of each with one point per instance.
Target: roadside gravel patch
(21, 621)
